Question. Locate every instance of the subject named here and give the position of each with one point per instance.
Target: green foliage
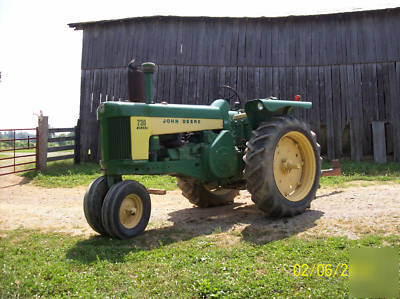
(54, 265)
(18, 143)
(66, 174)
(61, 143)
(362, 171)
(24, 143)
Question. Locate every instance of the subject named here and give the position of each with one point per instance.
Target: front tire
(282, 166)
(93, 202)
(204, 196)
(126, 209)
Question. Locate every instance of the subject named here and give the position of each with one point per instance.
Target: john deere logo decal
(191, 121)
(177, 121)
(170, 121)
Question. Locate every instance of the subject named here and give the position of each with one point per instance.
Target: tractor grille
(119, 138)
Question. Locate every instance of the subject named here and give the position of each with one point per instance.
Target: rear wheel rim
(131, 211)
(294, 166)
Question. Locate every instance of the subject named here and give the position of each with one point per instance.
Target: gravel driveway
(349, 212)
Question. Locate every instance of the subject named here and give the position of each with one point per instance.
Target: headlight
(101, 108)
(260, 106)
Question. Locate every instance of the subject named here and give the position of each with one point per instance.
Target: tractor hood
(217, 110)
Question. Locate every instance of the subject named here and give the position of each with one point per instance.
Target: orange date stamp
(321, 270)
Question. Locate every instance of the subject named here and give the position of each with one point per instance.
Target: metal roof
(83, 25)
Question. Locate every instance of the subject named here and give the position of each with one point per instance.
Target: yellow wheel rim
(131, 211)
(294, 166)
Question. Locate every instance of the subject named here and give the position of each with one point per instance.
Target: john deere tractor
(212, 151)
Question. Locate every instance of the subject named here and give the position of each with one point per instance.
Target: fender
(262, 109)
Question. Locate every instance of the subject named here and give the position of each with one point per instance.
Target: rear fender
(263, 109)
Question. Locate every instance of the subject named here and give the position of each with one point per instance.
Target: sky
(40, 56)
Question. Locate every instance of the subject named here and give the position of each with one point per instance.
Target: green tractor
(212, 151)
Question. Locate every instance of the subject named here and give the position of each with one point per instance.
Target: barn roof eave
(83, 25)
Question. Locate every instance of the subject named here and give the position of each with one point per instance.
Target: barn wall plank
(388, 105)
(394, 81)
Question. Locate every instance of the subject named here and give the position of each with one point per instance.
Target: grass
(55, 265)
(66, 174)
(32, 151)
(10, 150)
(362, 171)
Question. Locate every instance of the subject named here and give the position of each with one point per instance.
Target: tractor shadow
(236, 223)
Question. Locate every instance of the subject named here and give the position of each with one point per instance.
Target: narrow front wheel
(126, 209)
(93, 202)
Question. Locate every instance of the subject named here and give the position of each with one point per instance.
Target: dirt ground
(349, 212)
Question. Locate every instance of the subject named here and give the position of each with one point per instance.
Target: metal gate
(17, 154)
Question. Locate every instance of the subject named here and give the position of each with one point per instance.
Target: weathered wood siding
(346, 64)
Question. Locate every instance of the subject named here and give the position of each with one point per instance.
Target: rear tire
(93, 202)
(205, 197)
(282, 166)
(126, 209)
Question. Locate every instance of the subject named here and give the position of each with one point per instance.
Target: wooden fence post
(379, 141)
(77, 151)
(43, 126)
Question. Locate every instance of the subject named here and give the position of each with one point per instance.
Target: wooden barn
(347, 64)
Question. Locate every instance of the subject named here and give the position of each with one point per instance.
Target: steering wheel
(234, 94)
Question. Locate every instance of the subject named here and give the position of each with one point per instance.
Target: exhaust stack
(135, 83)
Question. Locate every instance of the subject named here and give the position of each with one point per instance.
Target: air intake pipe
(148, 70)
